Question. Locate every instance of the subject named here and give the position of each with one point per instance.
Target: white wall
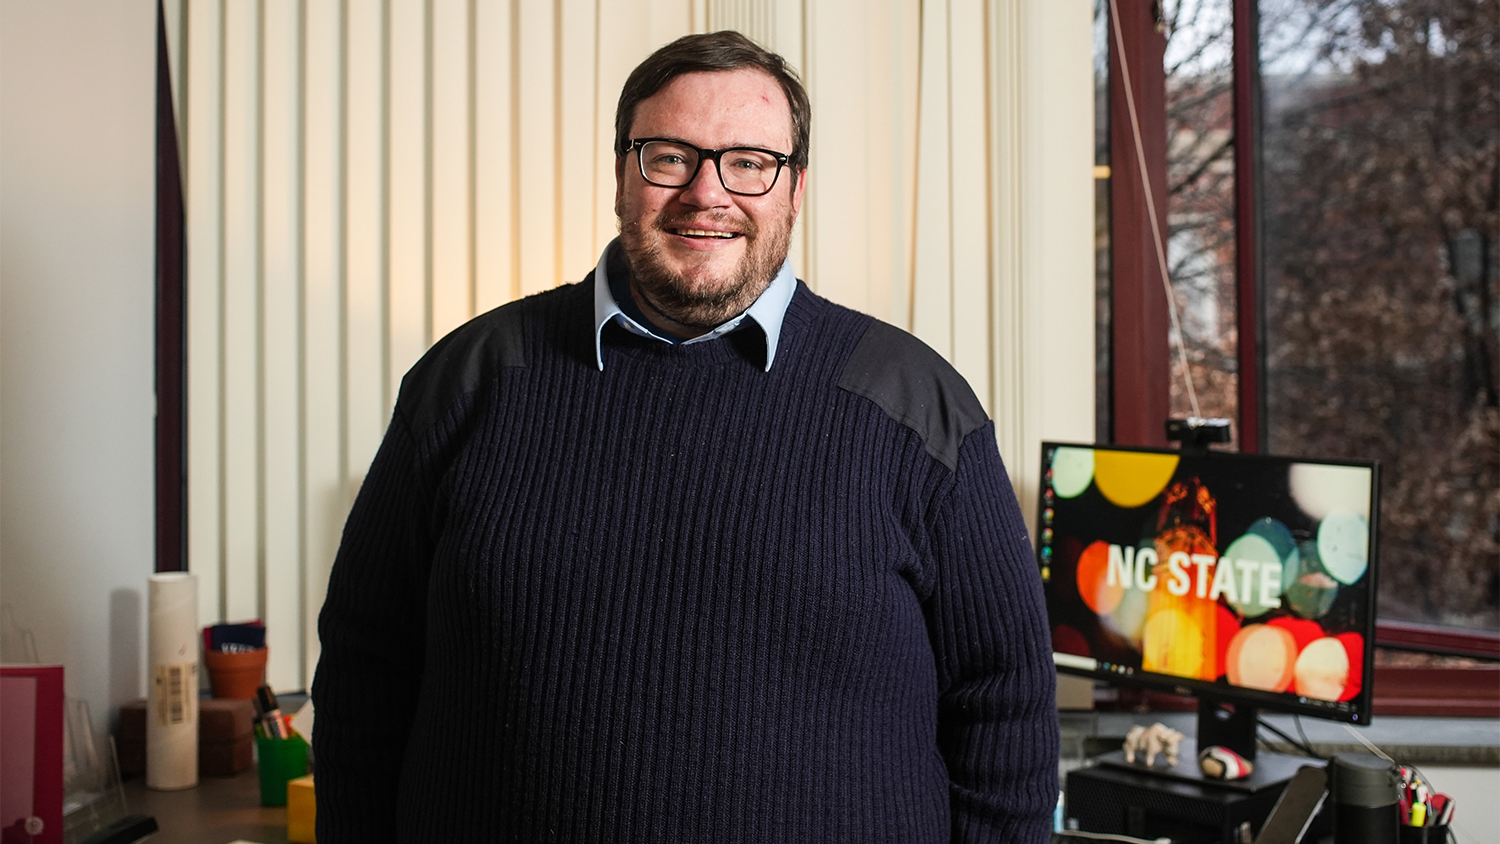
(1476, 813)
(77, 99)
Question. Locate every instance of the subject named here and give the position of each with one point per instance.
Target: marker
(1418, 814)
(270, 713)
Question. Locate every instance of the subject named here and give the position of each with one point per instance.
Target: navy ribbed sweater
(684, 599)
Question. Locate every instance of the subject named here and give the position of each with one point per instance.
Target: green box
(280, 761)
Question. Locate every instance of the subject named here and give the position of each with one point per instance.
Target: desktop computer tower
(1116, 797)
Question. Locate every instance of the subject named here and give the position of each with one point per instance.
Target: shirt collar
(768, 310)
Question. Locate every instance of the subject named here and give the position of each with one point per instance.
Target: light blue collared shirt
(768, 310)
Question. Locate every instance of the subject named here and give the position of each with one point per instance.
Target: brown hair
(707, 52)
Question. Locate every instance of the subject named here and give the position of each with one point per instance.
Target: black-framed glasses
(670, 163)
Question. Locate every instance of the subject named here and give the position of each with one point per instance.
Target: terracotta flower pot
(236, 674)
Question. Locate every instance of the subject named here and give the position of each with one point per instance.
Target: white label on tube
(177, 691)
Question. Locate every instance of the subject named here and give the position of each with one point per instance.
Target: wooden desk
(219, 810)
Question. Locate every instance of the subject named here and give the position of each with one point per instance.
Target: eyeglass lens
(673, 165)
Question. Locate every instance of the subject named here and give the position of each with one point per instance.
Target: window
(1337, 282)
(1379, 151)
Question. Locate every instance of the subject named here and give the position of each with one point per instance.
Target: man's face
(699, 254)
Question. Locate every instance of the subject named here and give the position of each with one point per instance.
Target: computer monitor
(1246, 581)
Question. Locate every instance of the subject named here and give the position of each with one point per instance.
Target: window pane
(1381, 303)
(1199, 64)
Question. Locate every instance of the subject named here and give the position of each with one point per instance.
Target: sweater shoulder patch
(461, 361)
(916, 387)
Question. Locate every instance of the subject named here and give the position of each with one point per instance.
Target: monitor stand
(1228, 725)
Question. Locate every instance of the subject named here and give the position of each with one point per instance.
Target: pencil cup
(279, 761)
(1423, 834)
(235, 674)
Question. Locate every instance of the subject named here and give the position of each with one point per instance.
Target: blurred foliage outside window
(1379, 196)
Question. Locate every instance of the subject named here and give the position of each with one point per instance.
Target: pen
(1435, 808)
(1442, 810)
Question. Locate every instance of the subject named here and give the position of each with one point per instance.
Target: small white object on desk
(1155, 739)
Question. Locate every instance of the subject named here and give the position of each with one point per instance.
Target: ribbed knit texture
(679, 600)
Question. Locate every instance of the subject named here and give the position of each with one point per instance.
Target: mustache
(707, 219)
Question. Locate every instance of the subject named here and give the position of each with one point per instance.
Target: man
(685, 552)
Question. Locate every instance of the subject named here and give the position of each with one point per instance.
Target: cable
(1369, 744)
(1297, 719)
(1303, 745)
(1106, 836)
(1156, 236)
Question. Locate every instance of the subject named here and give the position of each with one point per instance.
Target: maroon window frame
(171, 324)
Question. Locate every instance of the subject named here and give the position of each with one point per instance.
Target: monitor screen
(1241, 578)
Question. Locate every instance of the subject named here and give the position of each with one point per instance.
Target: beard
(702, 298)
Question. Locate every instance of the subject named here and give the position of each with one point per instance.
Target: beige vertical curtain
(364, 175)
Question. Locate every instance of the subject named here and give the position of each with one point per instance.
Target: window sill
(1468, 692)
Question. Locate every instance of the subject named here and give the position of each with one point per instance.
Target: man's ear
(797, 191)
(619, 186)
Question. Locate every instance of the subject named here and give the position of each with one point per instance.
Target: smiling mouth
(704, 234)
